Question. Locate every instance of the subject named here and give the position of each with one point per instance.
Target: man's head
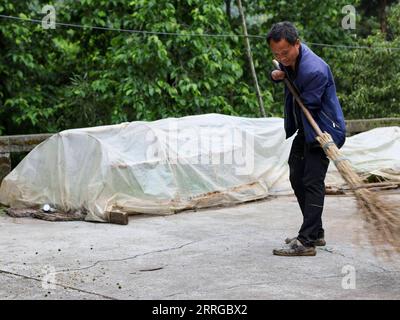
(284, 42)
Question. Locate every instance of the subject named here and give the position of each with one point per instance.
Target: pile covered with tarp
(173, 164)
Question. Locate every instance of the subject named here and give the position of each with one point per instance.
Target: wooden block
(119, 217)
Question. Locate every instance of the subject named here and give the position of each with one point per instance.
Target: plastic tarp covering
(173, 164)
(374, 152)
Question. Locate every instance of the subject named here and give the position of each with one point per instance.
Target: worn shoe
(318, 243)
(295, 248)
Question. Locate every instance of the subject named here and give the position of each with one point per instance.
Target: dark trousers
(308, 165)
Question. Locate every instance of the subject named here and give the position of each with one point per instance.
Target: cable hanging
(336, 46)
(133, 31)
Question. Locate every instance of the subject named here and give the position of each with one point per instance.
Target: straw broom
(382, 218)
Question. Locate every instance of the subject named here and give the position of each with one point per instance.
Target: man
(308, 163)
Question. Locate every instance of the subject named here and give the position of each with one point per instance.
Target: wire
(337, 46)
(351, 47)
(134, 31)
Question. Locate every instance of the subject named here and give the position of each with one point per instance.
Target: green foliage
(52, 80)
(368, 80)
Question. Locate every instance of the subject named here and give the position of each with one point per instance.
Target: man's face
(284, 52)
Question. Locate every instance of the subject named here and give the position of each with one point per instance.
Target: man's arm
(312, 93)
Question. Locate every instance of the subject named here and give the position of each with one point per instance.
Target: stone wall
(357, 126)
(18, 143)
(5, 165)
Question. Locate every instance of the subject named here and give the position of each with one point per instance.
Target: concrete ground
(223, 253)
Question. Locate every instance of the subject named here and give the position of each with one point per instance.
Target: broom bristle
(383, 219)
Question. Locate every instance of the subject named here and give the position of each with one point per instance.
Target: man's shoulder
(311, 63)
(307, 51)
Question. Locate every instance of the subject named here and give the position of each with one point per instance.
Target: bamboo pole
(250, 58)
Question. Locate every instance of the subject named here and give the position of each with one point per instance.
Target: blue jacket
(314, 80)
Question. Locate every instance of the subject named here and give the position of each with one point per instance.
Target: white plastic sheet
(374, 152)
(173, 164)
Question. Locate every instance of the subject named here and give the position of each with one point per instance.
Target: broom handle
(297, 97)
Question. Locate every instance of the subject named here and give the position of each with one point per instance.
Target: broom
(382, 218)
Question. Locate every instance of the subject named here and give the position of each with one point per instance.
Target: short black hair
(283, 30)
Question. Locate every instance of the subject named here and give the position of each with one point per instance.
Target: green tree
(70, 77)
(369, 78)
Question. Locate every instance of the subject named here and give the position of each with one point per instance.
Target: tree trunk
(228, 8)
(382, 15)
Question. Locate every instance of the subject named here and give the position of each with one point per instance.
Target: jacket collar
(291, 72)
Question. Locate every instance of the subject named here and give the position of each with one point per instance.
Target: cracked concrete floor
(223, 253)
